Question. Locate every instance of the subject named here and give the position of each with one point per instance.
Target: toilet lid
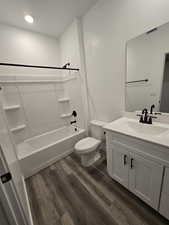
(87, 145)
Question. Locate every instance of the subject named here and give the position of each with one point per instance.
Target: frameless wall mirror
(147, 79)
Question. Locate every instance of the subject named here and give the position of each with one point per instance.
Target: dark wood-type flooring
(68, 194)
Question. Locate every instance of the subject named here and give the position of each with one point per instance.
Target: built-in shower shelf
(18, 128)
(63, 99)
(67, 115)
(11, 107)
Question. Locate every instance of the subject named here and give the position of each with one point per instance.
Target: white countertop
(157, 133)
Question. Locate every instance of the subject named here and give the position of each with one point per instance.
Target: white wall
(70, 47)
(107, 27)
(25, 47)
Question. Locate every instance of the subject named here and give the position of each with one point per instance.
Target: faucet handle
(153, 117)
(150, 118)
(141, 118)
(157, 113)
(144, 111)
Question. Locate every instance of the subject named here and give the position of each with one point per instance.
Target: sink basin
(157, 132)
(147, 129)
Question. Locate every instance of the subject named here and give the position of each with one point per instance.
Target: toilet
(88, 148)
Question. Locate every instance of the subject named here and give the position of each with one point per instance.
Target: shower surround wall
(33, 109)
(36, 107)
(24, 47)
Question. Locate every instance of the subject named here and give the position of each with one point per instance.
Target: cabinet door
(164, 203)
(145, 178)
(119, 163)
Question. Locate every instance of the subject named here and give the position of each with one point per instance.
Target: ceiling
(51, 17)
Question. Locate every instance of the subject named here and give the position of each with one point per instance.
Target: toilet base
(90, 158)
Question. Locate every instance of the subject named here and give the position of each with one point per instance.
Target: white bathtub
(41, 151)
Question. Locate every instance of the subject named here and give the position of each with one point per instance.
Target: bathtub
(41, 151)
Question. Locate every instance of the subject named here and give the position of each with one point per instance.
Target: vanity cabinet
(145, 178)
(164, 203)
(119, 163)
(138, 172)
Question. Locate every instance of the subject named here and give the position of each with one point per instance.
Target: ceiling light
(29, 19)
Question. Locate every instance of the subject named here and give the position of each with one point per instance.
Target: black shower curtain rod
(40, 67)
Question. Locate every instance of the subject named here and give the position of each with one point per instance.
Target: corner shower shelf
(11, 107)
(20, 127)
(66, 115)
(63, 100)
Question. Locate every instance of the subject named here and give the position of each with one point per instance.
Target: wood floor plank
(91, 203)
(104, 194)
(98, 195)
(133, 208)
(67, 219)
(66, 193)
(34, 204)
(72, 202)
(47, 212)
(88, 179)
(58, 202)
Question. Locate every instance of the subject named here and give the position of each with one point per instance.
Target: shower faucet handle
(72, 122)
(74, 113)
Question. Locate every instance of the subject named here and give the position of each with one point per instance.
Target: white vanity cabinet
(164, 203)
(119, 165)
(134, 169)
(145, 179)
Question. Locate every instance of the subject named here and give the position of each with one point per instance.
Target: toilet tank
(96, 129)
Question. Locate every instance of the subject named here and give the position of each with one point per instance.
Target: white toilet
(88, 148)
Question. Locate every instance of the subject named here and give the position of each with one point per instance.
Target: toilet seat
(87, 145)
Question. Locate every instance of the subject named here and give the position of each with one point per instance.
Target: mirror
(147, 71)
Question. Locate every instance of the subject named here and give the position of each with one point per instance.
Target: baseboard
(27, 202)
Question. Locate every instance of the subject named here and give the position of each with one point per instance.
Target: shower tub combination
(41, 151)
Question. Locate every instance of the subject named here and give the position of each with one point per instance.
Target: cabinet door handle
(131, 163)
(125, 159)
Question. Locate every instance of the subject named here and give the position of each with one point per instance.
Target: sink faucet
(151, 109)
(145, 117)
